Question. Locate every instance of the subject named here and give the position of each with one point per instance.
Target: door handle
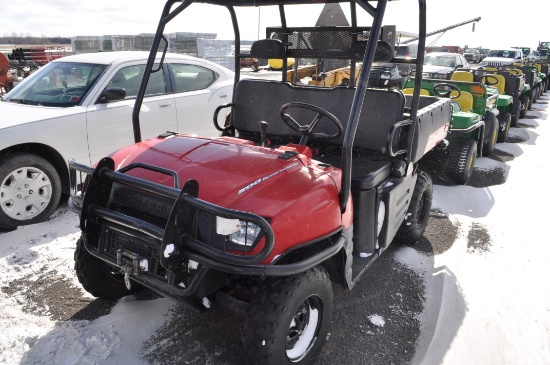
(163, 106)
(222, 96)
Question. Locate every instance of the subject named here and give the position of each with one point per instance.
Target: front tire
(460, 164)
(414, 225)
(491, 134)
(30, 189)
(98, 278)
(524, 107)
(288, 319)
(504, 122)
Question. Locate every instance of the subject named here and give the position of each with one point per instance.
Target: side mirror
(112, 94)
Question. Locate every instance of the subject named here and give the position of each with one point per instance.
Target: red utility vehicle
(305, 186)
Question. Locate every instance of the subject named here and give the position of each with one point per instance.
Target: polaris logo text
(254, 183)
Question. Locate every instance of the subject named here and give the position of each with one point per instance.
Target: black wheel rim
(304, 328)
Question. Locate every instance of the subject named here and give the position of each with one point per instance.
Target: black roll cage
(376, 12)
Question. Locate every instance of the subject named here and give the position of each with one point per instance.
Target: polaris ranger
(305, 186)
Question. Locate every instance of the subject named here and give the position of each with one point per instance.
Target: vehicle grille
(113, 240)
(496, 64)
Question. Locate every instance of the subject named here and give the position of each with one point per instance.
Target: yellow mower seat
(465, 100)
(463, 76)
(515, 71)
(410, 91)
(501, 83)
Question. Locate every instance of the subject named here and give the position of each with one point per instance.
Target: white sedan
(62, 111)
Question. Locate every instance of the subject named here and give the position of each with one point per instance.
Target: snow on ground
(494, 307)
(491, 307)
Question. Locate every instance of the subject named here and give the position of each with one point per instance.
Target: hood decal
(254, 183)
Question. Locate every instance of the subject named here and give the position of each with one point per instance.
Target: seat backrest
(465, 100)
(501, 83)
(410, 91)
(463, 76)
(268, 48)
(261, 100)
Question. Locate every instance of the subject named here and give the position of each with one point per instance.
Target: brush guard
(176, 259)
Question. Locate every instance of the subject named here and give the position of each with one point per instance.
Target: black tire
(504, 122)
(460, 163)
(490, 138)
(30, 189)
(531, 99)
(282, 308)
(515, 115)
(98, 278)
(524, 106)
(414, 225)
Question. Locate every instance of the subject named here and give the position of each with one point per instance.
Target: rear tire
(416, 219)
(460, 164)
(288, 319)
(504, 122)
(98, 278)
(30, 189)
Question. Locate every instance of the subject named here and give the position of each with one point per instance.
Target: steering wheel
(444, 90)
(485, 79)
(307, 130)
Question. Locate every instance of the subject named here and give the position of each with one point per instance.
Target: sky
(500, 25)
(490, 308)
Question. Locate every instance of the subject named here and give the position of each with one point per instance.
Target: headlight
(483, 63)
(246, 235)
(384, 76)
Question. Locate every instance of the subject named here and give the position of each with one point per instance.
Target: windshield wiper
(24, 101)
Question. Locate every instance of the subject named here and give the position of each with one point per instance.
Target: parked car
(529, 54)
(438, 65)
(473, 55)
(81, 107)
(502, 57)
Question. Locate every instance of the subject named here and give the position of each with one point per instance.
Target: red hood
(226, 169)
(294, 193)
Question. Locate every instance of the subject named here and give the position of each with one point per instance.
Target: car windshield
(502, 53)
(470, 51)
(440, 60)
(58, 84)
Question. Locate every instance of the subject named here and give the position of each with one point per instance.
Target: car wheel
(416, 219)
(504, 121)
(30, 189)
(462, 157)
(491, 134)
(98, 278)
(288, 319)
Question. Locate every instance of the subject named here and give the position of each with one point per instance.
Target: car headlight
(246, 235)
(483, 63)
(384, 76)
